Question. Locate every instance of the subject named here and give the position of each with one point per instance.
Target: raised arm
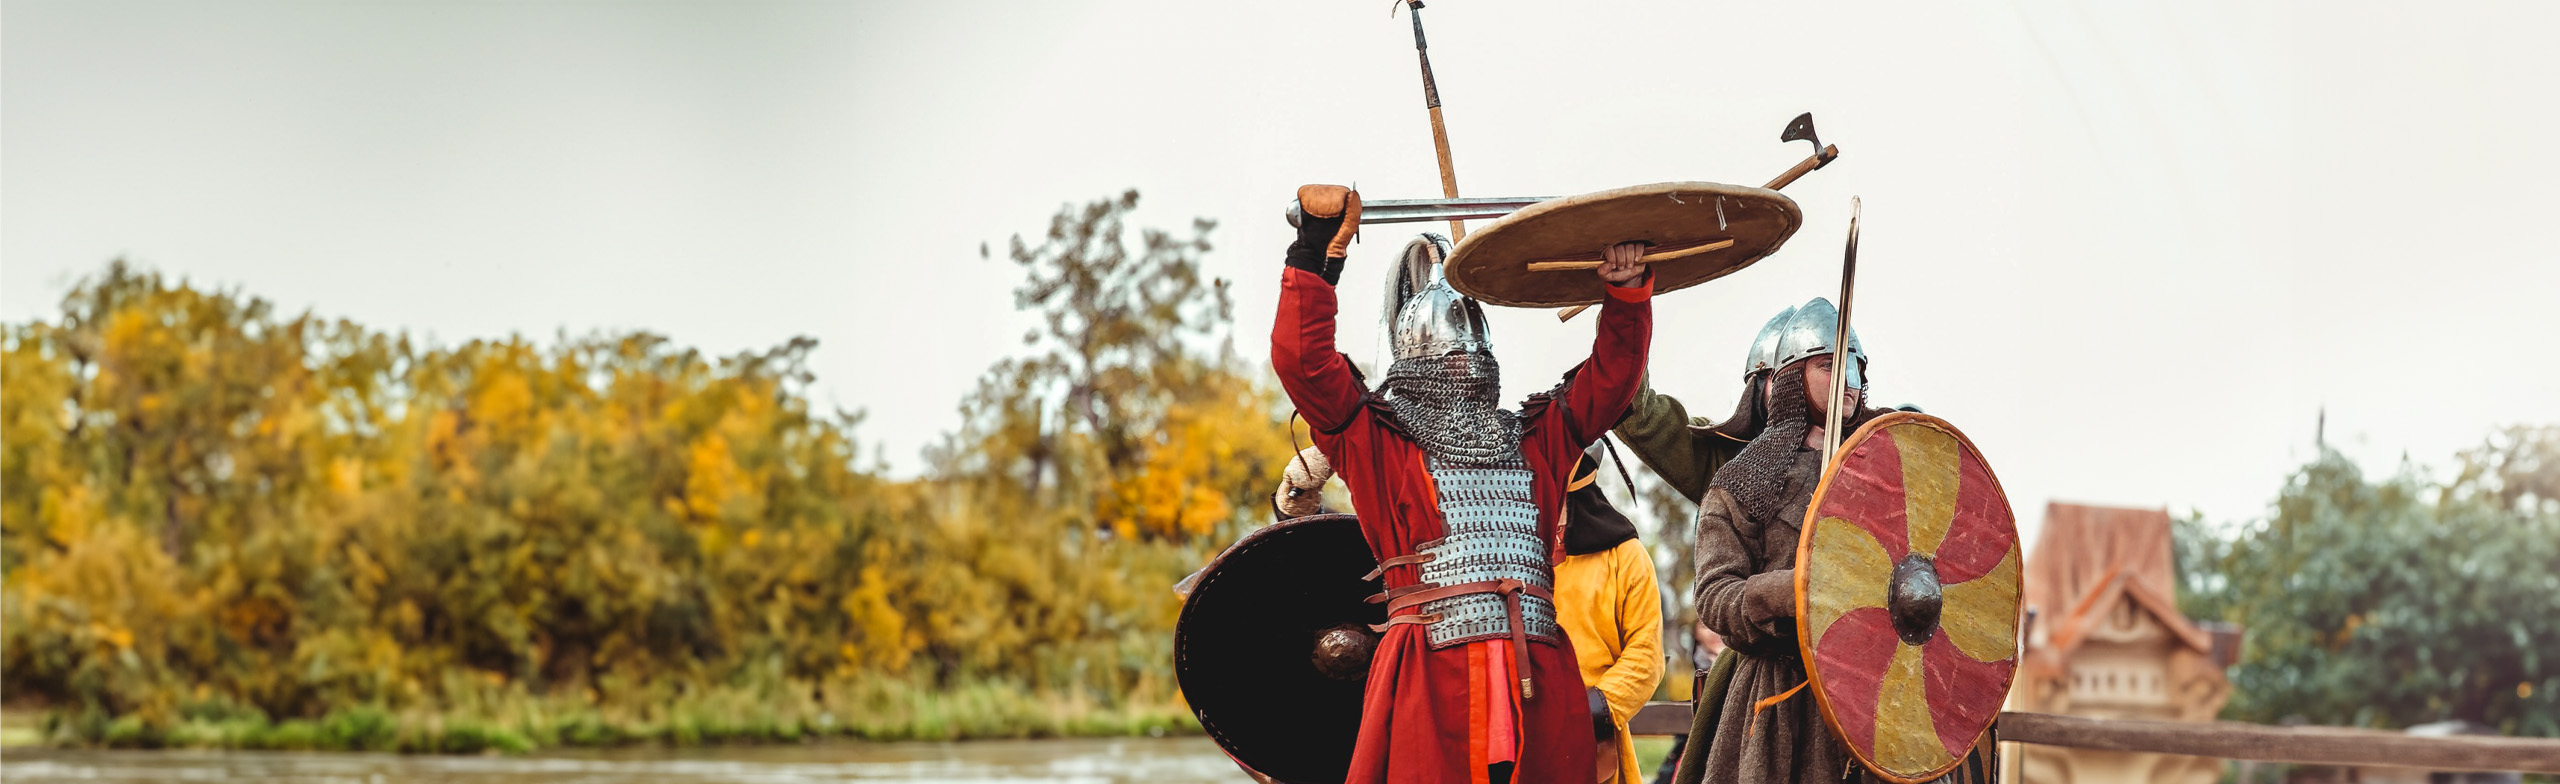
(1657, 428)
(1317, 377)
(1606, 385)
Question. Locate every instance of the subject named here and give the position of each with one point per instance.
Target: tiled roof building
(2107, 641)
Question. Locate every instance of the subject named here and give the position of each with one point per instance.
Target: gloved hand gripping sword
(1327, 218)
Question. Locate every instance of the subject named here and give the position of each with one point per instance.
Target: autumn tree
(1132, 406)
(217, 509)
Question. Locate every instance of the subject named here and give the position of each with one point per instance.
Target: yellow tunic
(1608, 604)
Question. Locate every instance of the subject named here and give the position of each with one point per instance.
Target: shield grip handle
(1676, 253)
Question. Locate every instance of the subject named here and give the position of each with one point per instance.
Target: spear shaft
(1439, 129)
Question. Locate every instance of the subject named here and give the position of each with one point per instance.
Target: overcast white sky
(2131, 249)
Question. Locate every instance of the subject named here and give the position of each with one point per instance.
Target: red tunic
(1424, 717)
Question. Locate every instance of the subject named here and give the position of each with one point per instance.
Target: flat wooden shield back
(1542, 256)
(1907, 498)
(1242, 646)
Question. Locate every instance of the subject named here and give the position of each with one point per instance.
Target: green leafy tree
(2392, 602)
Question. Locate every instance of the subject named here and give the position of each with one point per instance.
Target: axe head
(1801, 130)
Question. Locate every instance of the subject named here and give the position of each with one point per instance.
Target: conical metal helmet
(1764, 349)
(1431, 319)
(1811, 331)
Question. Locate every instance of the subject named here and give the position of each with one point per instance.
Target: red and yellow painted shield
(1907, 586)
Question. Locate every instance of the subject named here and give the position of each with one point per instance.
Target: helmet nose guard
(1434, 320)
(1812, 330)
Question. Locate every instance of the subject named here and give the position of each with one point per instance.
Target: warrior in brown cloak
(1764, 729)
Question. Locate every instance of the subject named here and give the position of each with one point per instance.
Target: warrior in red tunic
(1461, 503)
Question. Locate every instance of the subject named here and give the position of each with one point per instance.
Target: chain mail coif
(1768, 479)
(1449, 405)
(1774, 477)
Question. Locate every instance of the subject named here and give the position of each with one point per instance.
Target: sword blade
(1420, 210)
(1840, 359)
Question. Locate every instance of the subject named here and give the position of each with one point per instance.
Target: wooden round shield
(1542, 255)
(1271, 647)
(1907, 596)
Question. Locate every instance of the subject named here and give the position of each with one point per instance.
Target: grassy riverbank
(512, 722)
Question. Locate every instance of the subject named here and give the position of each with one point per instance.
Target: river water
(1108, 761)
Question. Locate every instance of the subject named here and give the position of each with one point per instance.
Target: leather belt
(1402, 560)
(1399, 600)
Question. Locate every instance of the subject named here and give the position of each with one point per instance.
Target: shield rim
(1181, 650)
(1466, 249)
(1804, 557)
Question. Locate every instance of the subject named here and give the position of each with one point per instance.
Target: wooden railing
(2233, 740)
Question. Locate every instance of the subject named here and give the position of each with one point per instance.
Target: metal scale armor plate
(1492, 534)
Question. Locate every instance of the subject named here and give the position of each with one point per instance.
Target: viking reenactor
(1686, 452)
(1608, 604)
(1749, 521)
(1472, 680)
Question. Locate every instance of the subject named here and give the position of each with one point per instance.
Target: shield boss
(1907, 596)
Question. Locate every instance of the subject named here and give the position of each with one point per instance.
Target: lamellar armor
(1492, 536)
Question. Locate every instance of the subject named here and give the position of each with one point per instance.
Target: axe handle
(1567, 314)
(1816, 161)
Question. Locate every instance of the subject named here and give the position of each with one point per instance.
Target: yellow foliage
(294, 514)
(877, 623)
(1220, 443)
(712, 479)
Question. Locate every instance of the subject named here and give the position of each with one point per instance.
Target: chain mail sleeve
(1316, 376)
(1600, 393)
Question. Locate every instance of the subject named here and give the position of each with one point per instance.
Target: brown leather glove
(1333, 201)
(1328, 217)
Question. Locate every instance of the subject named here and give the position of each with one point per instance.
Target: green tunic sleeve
(1672, 443)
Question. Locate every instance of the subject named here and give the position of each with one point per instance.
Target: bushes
(290, 519)
(231, 527)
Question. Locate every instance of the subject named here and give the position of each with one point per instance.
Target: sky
(2134, 251)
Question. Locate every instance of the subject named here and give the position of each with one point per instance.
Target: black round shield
(1246, 647)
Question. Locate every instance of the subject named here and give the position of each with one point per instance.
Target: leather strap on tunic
(1411, 598)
